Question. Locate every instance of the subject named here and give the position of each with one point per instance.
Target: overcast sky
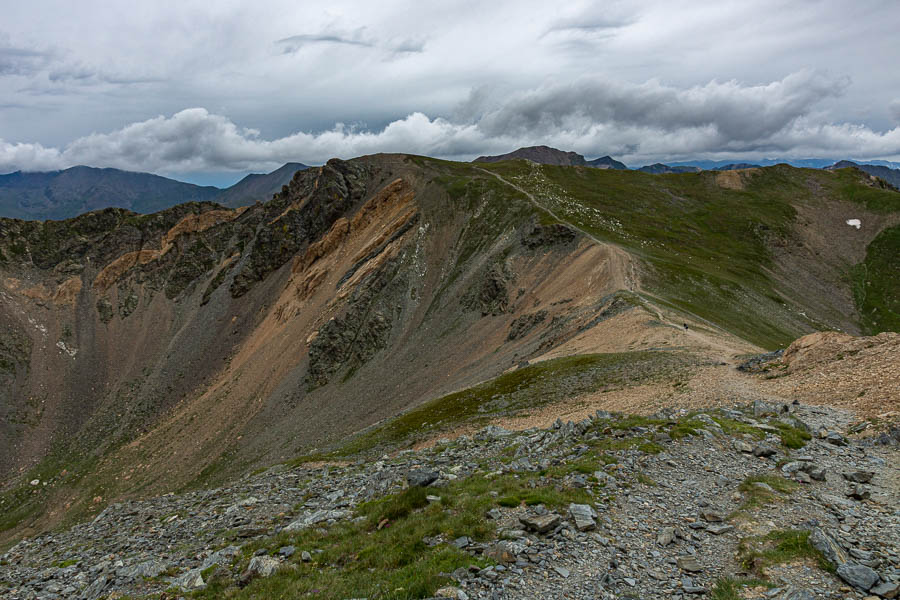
(211, 90)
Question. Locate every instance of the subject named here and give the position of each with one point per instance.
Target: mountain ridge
(203, 341)
(69, 192)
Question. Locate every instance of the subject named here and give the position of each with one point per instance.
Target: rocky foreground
(769, 501)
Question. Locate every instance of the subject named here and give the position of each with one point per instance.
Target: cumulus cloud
(595, 117)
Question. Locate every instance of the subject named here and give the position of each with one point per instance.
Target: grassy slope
(529, 387)
(877, 283)
(708, 248)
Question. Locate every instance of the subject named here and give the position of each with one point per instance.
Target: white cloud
(635, 122)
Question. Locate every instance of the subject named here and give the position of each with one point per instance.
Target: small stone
(887, 589)
(447, 592)
(825, 544)
(688, 563)
(859, 476)
(305, 556)
(797, 594)
(712, 516)
(501, 552)
(192, 580)
(665, 536)
(816, 472)
(858, 491)
(261, 566)
(764, 451)
(719, 529)
(836, 439)
(421, 477)
(561, 571)
(583, 516)
(494, 514)
(742, 446)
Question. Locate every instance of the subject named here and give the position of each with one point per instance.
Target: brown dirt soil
(861, 374)
(735, 180)
(68, 291)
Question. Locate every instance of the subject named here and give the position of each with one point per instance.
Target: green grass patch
(728, 588)
(645, 479)
(756, 496)
(375, 558)
(627, 443)
(876, 283)
(734, 428)
(531, 386)
(707, 248)
(758, 553)
(791, 436)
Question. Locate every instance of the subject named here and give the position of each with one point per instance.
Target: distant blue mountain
(810, 163)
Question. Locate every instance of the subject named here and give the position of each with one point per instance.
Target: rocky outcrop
(610, 507)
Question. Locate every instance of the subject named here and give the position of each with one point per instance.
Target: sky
(208, 91)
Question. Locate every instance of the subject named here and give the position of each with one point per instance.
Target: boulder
(583, 516)
(540, 523)
(859, 576)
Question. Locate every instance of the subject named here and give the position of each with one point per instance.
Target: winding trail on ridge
(628, 268)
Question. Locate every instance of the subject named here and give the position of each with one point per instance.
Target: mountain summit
(546, 155)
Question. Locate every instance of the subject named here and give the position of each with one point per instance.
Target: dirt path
(627, 267)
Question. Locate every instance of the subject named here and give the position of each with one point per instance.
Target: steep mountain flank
(258, 187)
(148, 353)
(768, 253)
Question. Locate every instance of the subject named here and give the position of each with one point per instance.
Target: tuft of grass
(728, 588)
(780, 546)
(734, 428)
(755, 496)
(791, 436)
(395, 506)
(646, 480)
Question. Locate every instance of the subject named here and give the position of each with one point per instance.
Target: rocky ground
(715, 504)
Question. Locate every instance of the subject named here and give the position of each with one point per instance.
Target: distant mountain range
(68, 193)
(659, 168)
(552, 156)
(71, 192)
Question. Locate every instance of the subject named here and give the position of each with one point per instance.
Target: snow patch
(854, 223)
